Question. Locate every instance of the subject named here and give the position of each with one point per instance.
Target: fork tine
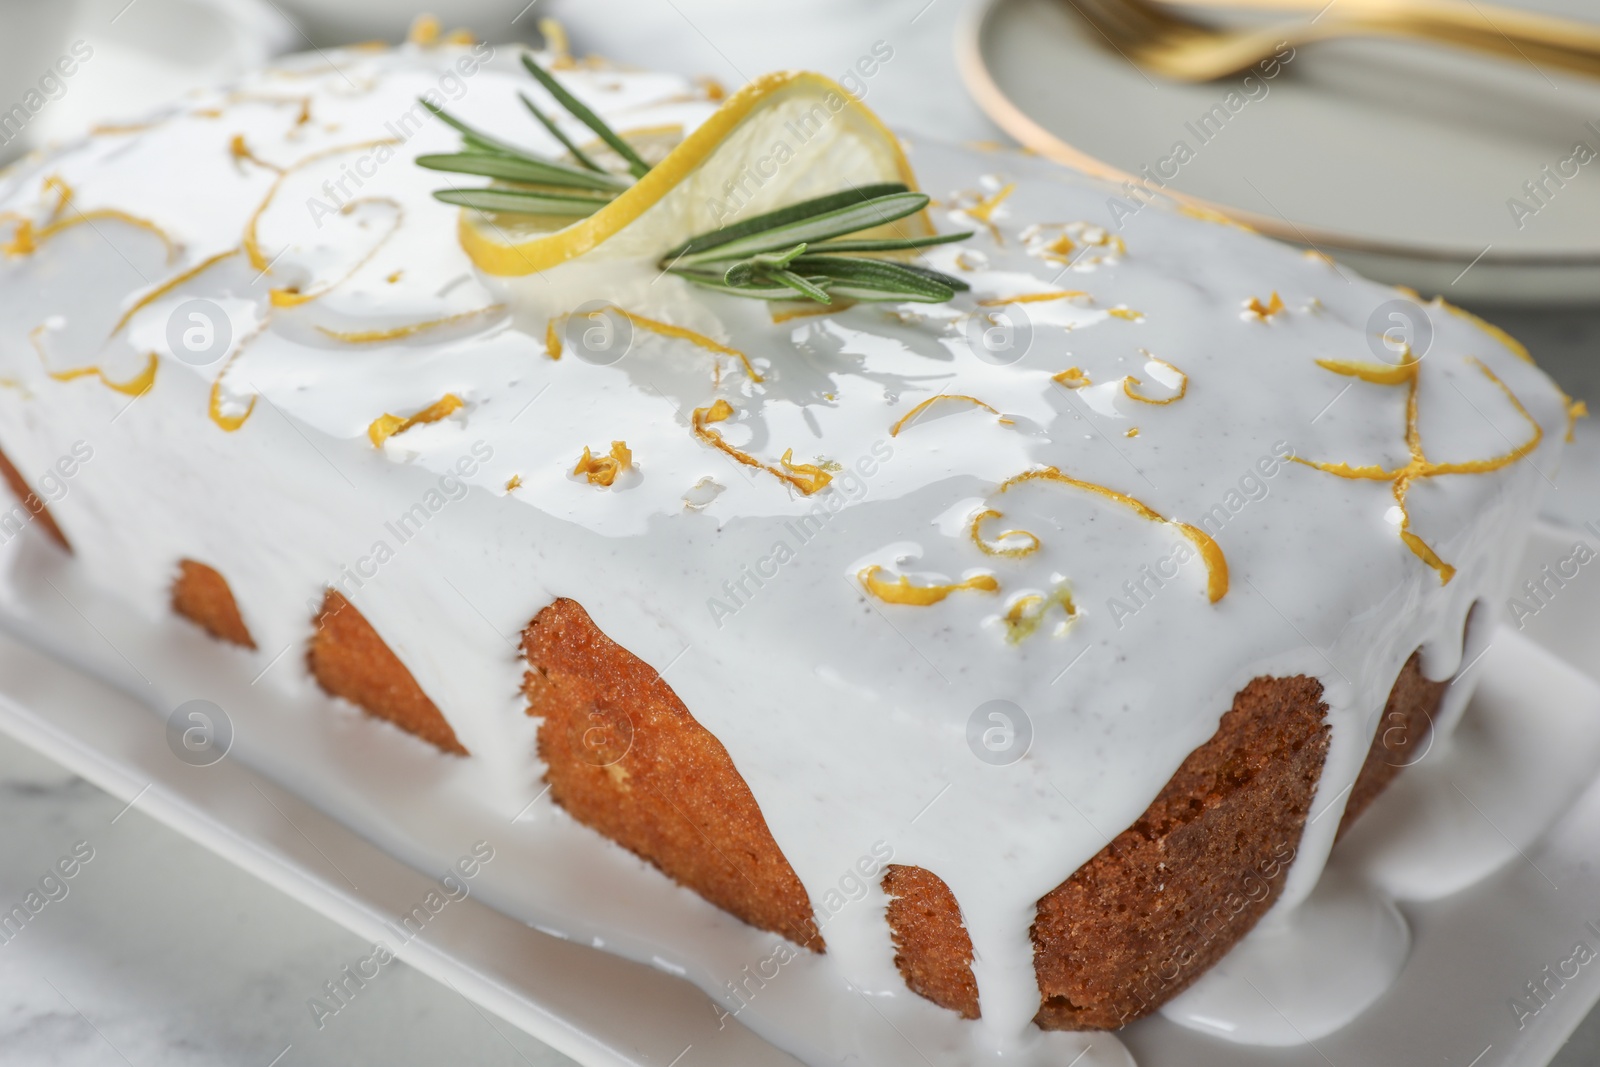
(1165, 43)
(1110, 19)
(1133, 24)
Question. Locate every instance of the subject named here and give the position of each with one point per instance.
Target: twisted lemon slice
(783, 138)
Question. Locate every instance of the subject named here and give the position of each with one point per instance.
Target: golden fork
(1180, 48)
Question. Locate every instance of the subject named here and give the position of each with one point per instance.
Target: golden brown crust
(201, 595)
(1399, 740)
(932, 947)
(32, 501)
(350, 660)
(627, 759)
(1170, 895)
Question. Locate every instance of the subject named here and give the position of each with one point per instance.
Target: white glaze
(1466, 808)
(847, 717)
(1301, 975)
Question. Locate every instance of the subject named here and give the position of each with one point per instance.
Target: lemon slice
(783, 138)
(653, 143)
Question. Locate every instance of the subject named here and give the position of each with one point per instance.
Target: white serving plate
(1471, 952)
(1397, 158)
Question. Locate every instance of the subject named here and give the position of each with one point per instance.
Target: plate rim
(1010, 117)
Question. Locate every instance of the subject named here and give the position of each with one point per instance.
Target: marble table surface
(162, 953)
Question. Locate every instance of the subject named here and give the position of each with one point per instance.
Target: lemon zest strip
(1031, 298)
(997, 546)
(64, 194)
(386, 426)
(901, 591)
(134, 386)
(1183, 385)
(425, 30)
(1420, 467)
(603, 470)
(805, 477)
(556, 42)
(1022, 619)
(230, 423)
(552, 335)
(241, 153)
(807, 310)
(110, 129)
(252, 244)
(1354, 472)
(1199, 211)
(983, 210)
(1505, 459)
(1264, 311)
(168, 286)
(395, 333)
(1210, 552)
(288, 298)
(667, 329)
(1517, 348)
(1376, 373)
(26, 238)
(894, 431)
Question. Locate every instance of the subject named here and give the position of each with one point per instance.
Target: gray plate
(1398, 158)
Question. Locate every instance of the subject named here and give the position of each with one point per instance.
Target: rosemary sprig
(491, 157)
(576, 109)
(555, 131)
(519, 202)
(803, 251)
(520, 169)
(791, 253)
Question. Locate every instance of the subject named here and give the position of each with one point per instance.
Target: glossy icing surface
(860, 704)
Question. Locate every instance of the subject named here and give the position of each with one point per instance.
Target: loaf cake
(1065, 621)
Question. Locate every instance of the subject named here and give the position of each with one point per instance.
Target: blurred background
(178, 958)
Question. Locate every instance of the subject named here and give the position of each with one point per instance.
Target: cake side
(625, 757)
(1183, 895)
(35, 507)
(1401, 738)
(202, 595)
(1168, 896)
(1163, 901)
(933, 952)
(349, 659)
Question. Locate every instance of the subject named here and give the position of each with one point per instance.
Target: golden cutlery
(1178, 47)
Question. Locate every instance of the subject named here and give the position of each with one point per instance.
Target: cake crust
(1168, 896)
(1173, 893)
(350, 660)
(202, 595)
(1400, 739)
(627, 759)
(933, 950)
(32, 501)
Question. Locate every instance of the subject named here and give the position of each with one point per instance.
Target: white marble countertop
(162, 953)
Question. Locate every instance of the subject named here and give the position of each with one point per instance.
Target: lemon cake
(1008, 607)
